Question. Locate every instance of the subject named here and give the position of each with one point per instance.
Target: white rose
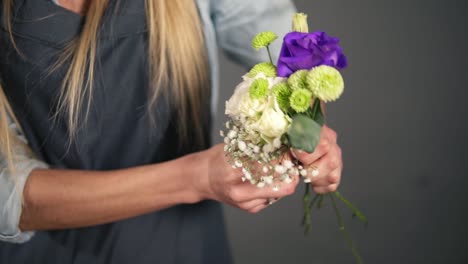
(251, 107)
(240, 102)
(273, 123)
(232, 105)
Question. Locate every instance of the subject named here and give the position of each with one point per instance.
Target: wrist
(197, 165)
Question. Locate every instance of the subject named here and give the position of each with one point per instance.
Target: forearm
(57, 199)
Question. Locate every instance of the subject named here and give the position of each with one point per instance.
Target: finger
(320, 150)
(246, 191)
(326, 164)
(331, 134)
(317, 172)
(252, 204)
(258, 208)
(326, 189)
(333, 177)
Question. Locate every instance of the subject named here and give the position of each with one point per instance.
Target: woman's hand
(327, 159)
(224, 184)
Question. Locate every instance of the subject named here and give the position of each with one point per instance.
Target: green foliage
(304, 133)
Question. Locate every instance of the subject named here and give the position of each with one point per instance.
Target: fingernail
(294, 151)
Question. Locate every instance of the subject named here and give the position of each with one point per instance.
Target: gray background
(402, 125)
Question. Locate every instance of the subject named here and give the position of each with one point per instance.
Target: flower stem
(312, 203)
(320, 202)
(312, 112)
(356, 212)
(343, 230)
(269, 54)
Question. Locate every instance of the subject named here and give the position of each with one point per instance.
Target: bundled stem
(343, 230)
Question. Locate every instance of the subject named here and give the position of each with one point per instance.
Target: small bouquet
(277, 107)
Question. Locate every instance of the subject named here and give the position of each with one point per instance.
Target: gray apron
(117, 134)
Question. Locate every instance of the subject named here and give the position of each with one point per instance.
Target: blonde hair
(177, 61)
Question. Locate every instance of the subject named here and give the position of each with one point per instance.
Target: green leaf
(304, 133)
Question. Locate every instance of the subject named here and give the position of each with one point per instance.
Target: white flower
(268, 179)
(277, 143)
(240, 102)
(241, 145)
(280, 169)
(267, 148)
(247, 174)
(288, 164)
(232, 134)
(288, 180)
(256, 149)
(261, 185)
(273, 123)
(251, 107)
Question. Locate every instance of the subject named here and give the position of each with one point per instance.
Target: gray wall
(402, 125)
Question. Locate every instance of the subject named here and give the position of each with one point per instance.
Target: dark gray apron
(117, 134)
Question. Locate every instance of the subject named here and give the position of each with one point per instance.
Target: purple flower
(303, 51)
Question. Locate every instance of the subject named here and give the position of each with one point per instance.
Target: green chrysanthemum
(259, 88)
(300, 100)
(300, 23)
(282, 94)
(266, 68)
(263, 39)
(325, 82)
(298, 80)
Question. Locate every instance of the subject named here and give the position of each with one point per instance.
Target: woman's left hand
(324, 165)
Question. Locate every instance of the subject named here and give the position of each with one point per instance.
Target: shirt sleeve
(11, 190)
(238, 21)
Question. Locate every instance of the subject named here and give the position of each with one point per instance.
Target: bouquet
(278, 107)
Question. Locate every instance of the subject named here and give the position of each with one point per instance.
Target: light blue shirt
(227, 24)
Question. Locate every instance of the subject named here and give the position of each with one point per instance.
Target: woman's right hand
(223, 183)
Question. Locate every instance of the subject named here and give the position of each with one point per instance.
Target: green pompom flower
(325, 82)
(298, 80)
(282, 94)
(266, 68)
(300, 23)
(263, 39)
(259, 88)
(300, 100)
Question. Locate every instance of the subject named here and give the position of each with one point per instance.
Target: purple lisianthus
(303, 51)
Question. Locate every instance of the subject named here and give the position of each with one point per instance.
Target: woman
(105, 115)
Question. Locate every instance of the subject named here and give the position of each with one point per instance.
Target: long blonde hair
(177, 60)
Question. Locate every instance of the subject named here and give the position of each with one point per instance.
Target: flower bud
(300, 23)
